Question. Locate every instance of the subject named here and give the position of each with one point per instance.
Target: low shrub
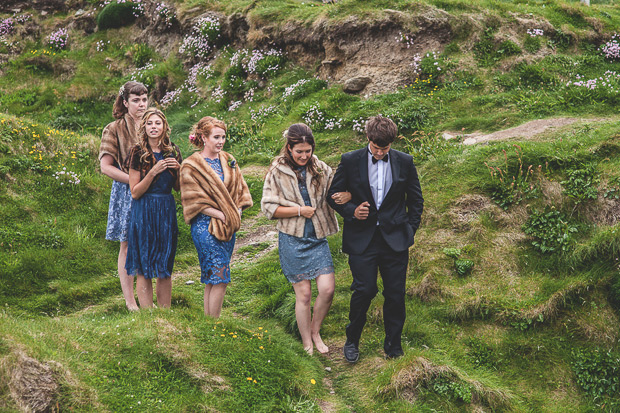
(116, 15)
(597, 372)
(581, 183)
(551, 231)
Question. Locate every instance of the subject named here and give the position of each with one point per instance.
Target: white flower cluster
(535, 32)
(359, 125)
(405, 39)
(167, 13)
(190, 85)
(608, 80)
(314, 117)
(611, 49)
(261, 115)
(68, 177)
(234, 105)
(137, 75)
(250, 60)
(218, 94)
(290, 91)
(202, 40)
(101, 45)
(249, 95)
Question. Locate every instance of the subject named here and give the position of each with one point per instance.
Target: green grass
(518, 333)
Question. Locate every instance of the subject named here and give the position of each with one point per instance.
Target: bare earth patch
(525, 131)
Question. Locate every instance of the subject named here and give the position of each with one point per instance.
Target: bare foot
(320, 346)
(308, 350)
(133, 308)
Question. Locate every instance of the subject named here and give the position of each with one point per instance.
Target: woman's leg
(216, 299)
(208, 288)
(145, 291)
(126, 280)
(164, 292)
(325, 284)
(303, 298)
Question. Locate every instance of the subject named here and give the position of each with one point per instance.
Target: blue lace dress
(214, 255)
(153, 230)
(119, 210)
(307, 257)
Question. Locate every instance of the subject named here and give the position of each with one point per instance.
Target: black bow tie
(384, 159)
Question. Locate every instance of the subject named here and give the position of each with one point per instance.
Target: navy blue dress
(307, 257)
(214, 255)
(153, 230)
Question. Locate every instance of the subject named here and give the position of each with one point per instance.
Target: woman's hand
(307, 211)
(159, 167)
(172, 163)
(221, 216)
(341, 197)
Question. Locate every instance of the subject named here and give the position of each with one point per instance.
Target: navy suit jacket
(401, 209)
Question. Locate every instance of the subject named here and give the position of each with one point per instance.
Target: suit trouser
(393, 268)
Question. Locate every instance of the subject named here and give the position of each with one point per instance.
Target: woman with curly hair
(153, 171)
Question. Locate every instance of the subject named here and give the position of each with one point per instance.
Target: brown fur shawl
(201, 187)
(117, 139)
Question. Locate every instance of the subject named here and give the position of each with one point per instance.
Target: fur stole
(201, 187)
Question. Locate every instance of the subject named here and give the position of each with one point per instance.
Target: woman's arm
(139, 187)
(214, 213)
(291, 211)
(109, 169)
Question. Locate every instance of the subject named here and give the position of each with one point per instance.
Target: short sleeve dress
(307, 257)
(153, 230)
(214, 255)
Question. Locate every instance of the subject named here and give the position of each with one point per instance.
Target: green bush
(507, 48)
(463, 267)
(234, 80)
(597, 372)
(532, 44)
(551, 231)
(116, 15)
(581, 183)
(141, 54)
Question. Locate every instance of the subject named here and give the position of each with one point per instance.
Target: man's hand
(361, 212)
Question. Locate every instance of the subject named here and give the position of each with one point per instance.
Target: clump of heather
(203, 38)
(166, 13)
(190, 86)
(535, 32)
(611, 49)
(7, 26)
(58, 40)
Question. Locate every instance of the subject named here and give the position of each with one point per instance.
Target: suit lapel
(395, 167)
(363, 167)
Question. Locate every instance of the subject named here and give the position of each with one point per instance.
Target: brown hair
(203, 129)
(296, 134)
(164, 140)
(381, 130)
(129, 88)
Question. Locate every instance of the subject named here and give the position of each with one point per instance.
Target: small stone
(332, 392)
(328, 369)
(43, 13)
(190, 282)
(79, 12)
(356, 84)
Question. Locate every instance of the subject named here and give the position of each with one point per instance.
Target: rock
(356, 84)
(190, 282)
(79, 12)
(32, 385)
(328, 369)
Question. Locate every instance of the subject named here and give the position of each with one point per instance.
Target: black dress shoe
(351, 352)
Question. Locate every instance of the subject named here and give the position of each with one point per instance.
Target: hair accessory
(192, 138)
(285, 134)
(121, 90)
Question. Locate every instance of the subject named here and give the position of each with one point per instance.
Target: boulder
(356, 84)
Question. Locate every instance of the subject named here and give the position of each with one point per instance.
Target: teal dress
(153, 229)
(307, 257)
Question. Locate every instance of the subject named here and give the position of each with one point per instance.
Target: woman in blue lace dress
(294, 193)
(152, 238)
(213, 193)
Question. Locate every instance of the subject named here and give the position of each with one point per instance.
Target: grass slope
(513, 289)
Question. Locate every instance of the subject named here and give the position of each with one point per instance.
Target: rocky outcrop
(17, 6)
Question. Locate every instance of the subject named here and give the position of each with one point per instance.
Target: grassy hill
(513, 288)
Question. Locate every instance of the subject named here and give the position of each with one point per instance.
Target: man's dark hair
(381, 130)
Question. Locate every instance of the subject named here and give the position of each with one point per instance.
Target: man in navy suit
(380, 222)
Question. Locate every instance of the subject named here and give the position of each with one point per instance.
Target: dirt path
(525, 131)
